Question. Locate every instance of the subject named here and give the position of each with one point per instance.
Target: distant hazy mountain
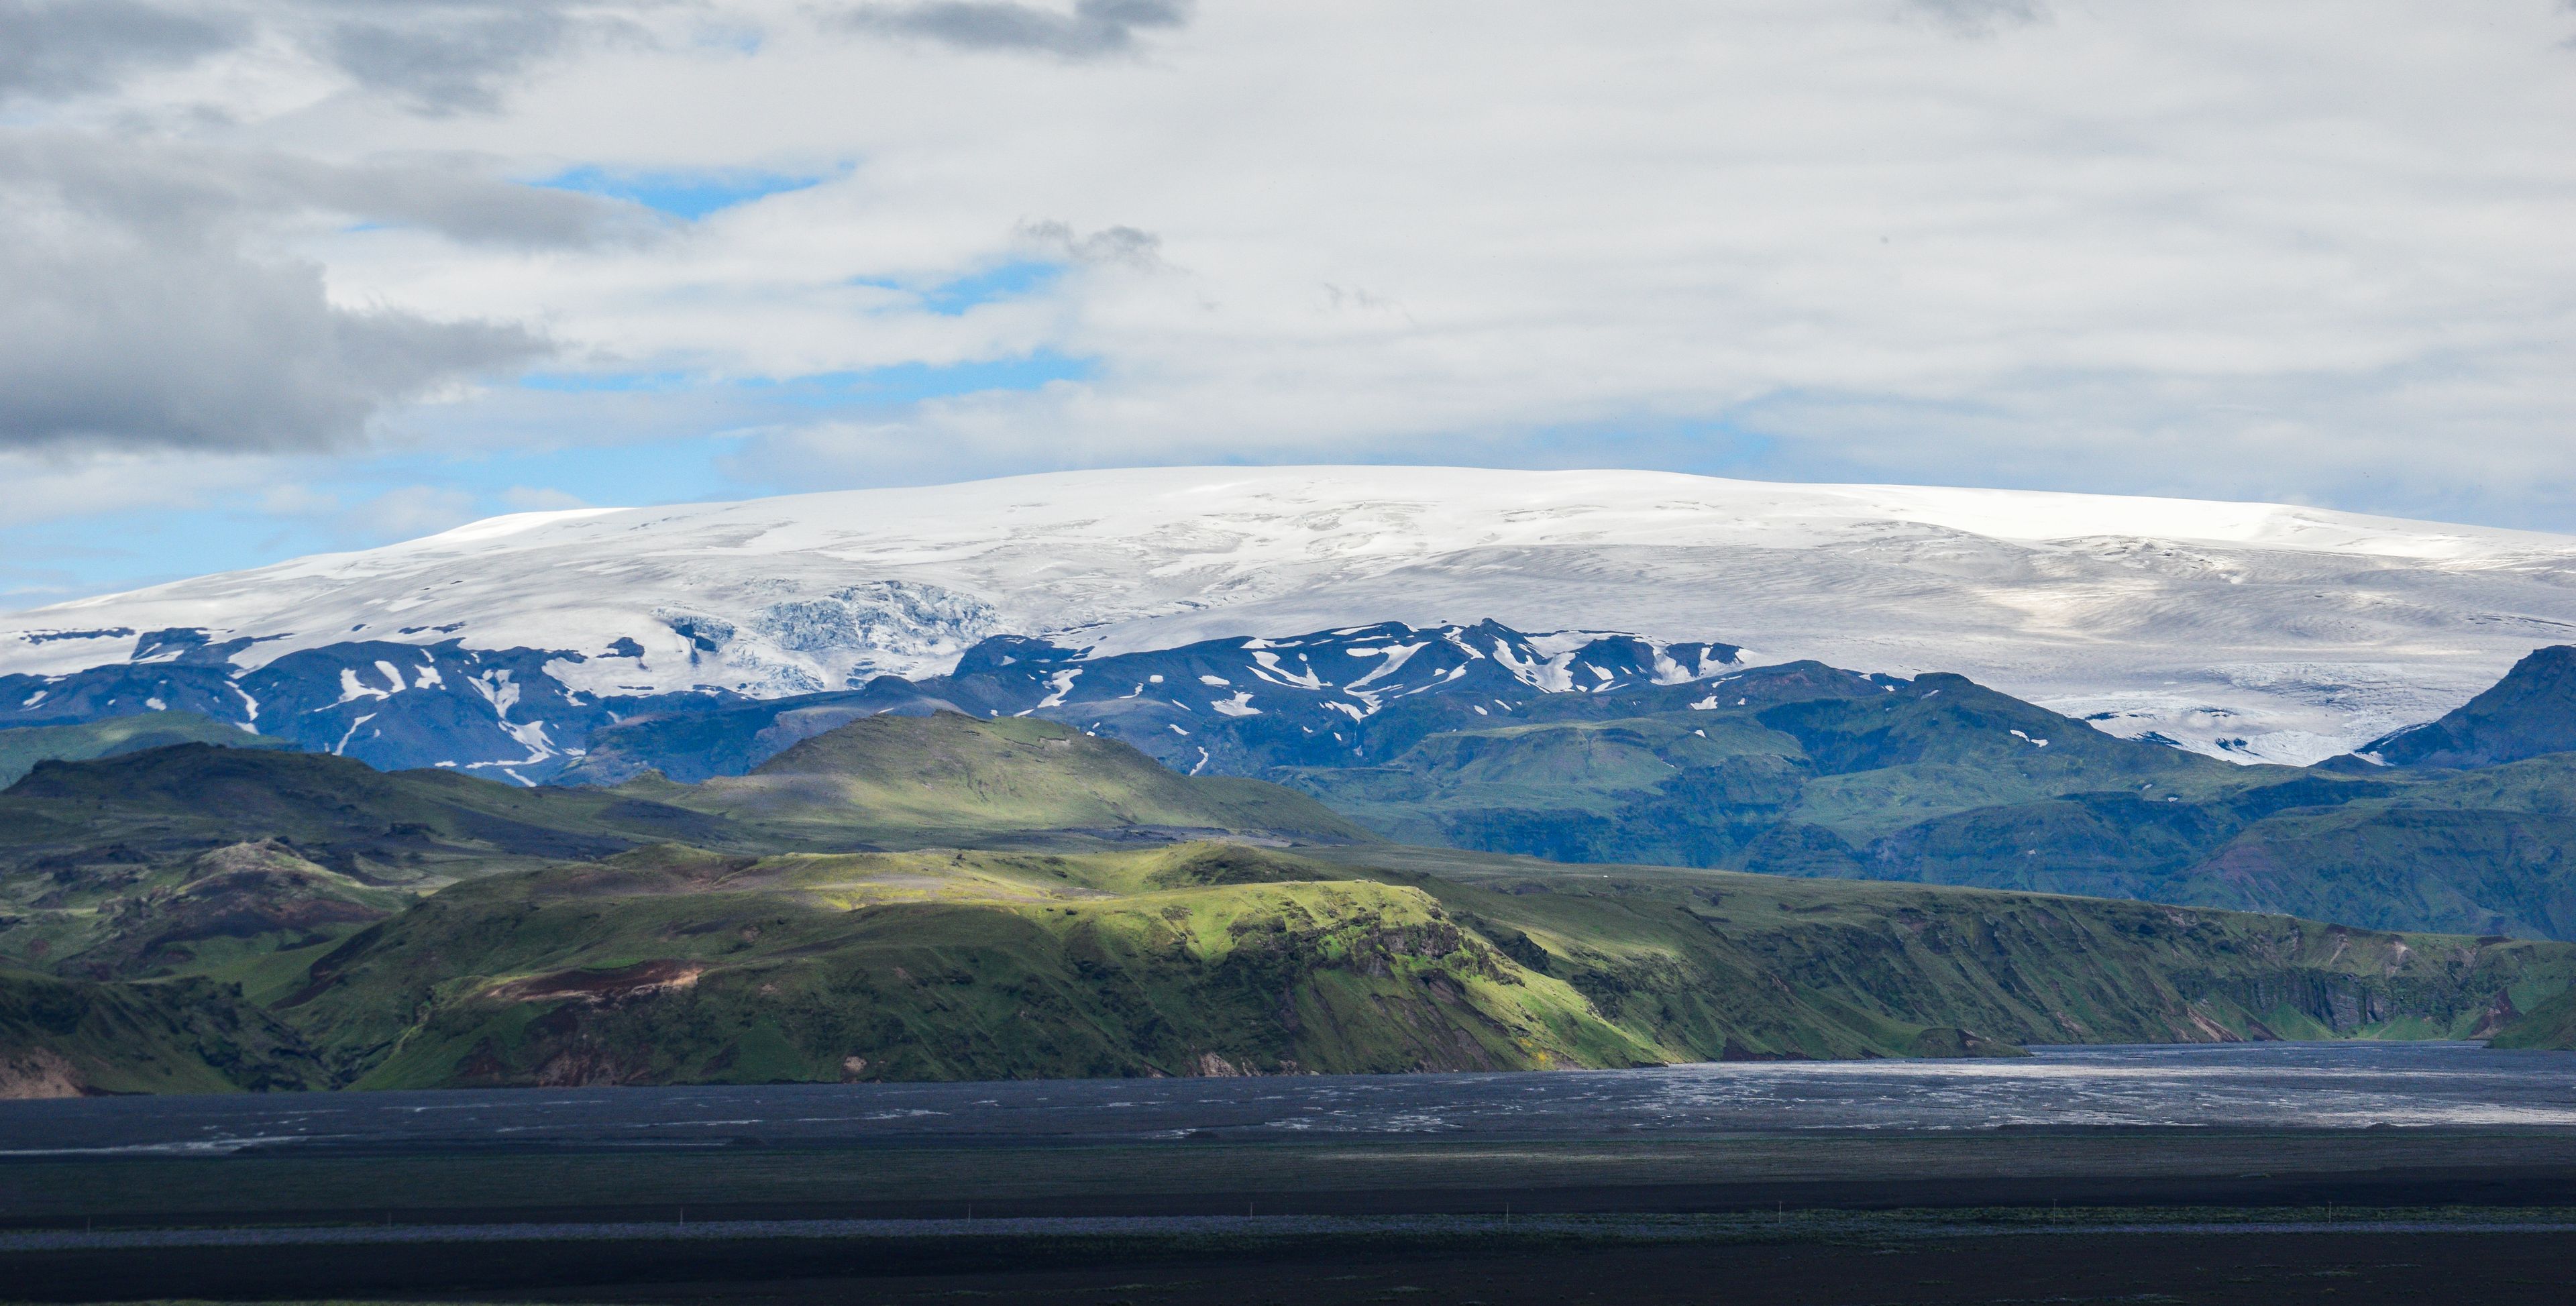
(2260, 631)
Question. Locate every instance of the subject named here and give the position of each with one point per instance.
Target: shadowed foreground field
(2083, 1215)
(1892, 1259)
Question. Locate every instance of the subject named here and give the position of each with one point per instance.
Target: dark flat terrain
(1652, 1174)
(2221, 1269)
(2451, 1175)
(1845, 1263)
(2189, 1215)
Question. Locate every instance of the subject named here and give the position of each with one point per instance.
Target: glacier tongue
(2257, 631)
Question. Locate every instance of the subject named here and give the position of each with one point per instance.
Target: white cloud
(2302, 249)
(1089, 29)
(143, 311)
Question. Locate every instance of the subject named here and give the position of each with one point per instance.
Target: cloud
(107, 341)
(447, 59)
(437, 57)
(1118, 245)
(1979, 17)
(1090, 30)
(2311, 249)
(55, 48)
(138, 315)
(179, 192)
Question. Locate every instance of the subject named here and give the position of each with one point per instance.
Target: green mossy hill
(669, 965)
(2550, 1026)
(239, 911)
(407, 827)
(948, 897)
(24, 746)
(673, 965)
(64, 1038)
(1942, 781)
(950, 777)
(108, 867)
(1703, 957)
(2529, 713)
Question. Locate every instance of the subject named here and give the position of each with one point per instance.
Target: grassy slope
(676, 965)
(954, 778)
(94, 854)
(673, 965)
(61, 1036)
(2482, 852)
(2551, 1025)
(1695, 950)
(766, 960)
(409, 828)
(1929, 782)
(24, 746)
(226, 913)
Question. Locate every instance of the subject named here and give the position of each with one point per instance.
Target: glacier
(2262, 632)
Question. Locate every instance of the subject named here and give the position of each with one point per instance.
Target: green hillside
(948, 897)
(2551, 1025)
(22, 747)
(1942, 781)
(418, 828)
(62, 1037)
(671, 965)
(956, 778)
(238, 911)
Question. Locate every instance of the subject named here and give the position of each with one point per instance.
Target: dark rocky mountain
(1219, 706)
(1226, 707)
(2529, 713)
(395, 706)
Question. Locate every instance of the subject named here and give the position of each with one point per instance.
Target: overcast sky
(287, 275)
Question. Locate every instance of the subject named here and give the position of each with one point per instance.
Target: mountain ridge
(2266, 631)
(2531, 712)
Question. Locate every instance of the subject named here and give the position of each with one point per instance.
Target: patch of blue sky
(1706, 446)
(629, 474)
(54, 561)
(688, 194)
(586, 383)
(910, 383)
(1013, 280)
(878, 387)
(700, 422)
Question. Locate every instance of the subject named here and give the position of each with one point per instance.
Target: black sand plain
(2056, 1215)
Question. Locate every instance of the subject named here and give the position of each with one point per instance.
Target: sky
(284, 276)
